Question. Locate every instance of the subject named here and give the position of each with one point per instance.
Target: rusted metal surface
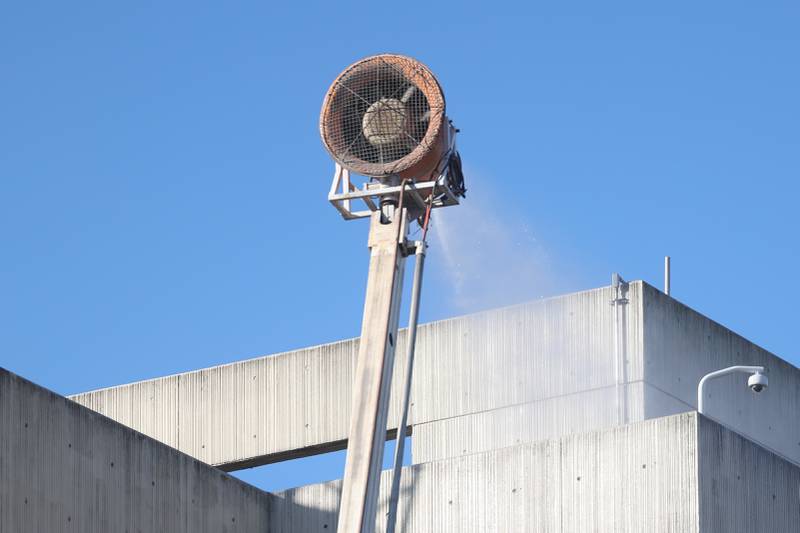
(343, 128)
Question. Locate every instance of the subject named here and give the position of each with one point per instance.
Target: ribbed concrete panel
(681, 346)
(640, 477)
(524, 423)
(65, 468)
(549, 418)
(269, 405)
(298, 403)
(636, 478)
(295, 403)
(743, 487)
(525, 353)
(150, 407)
(235, 415)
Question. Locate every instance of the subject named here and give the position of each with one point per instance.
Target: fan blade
(408, 94)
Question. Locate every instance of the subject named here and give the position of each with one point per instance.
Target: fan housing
(384, 117)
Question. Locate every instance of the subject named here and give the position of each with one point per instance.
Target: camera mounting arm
(756, 371)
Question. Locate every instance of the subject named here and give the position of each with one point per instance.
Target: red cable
(427, 218)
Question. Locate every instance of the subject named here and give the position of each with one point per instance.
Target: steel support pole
(373, 376)
(416, 288)
(620, 289)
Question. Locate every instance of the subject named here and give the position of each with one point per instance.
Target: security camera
(757, 382)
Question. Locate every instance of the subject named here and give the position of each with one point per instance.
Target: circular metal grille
(382, 115)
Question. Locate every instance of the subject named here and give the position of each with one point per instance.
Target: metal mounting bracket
(343, 194)
(620, 289)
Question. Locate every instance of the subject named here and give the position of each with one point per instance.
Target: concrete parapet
(547, 367)
(66, 468)
(677, 474)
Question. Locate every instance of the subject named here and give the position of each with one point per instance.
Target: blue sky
(163, 183)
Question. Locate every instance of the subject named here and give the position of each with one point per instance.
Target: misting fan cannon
(384, 118)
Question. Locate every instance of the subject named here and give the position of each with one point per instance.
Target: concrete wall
(232, 414)
(681, 346)
(525, 372)
(521, 423)
(66, 468)
(640, 477)
(743, 487)
(529, 422)
(684, 473)
(297, 403)
(527, 353)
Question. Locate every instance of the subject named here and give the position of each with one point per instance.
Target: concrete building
(570, 414)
